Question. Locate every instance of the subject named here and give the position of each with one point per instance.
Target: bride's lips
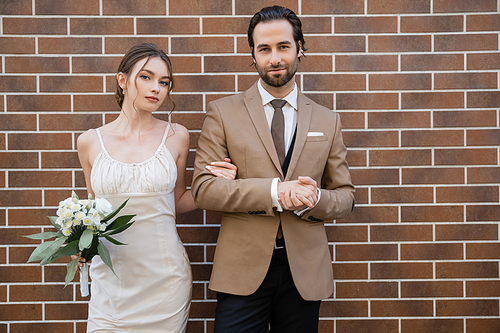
(152, 99)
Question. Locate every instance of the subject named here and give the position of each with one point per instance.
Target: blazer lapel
(303, 122)
(253, 103)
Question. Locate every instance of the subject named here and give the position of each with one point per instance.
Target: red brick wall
(415, 81)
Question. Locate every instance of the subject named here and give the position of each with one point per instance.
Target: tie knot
(278, 103)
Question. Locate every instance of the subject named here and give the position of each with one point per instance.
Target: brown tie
(278, 128)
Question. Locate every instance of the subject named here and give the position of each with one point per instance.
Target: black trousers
(276, 305)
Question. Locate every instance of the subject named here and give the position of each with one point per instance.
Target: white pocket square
(315, 134)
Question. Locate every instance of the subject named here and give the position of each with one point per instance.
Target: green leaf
(68, 250)
(120, 221)
(44, 235)
(71, 270)
(86, 239)
(105, 257)
(46, 249)
(113, 213)
(112, 240)
(120, 229)
(53, 221)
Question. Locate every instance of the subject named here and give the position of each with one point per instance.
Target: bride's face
(147, 85)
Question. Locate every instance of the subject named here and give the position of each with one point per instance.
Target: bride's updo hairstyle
(133, 56)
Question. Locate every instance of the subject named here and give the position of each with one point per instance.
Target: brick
(334, 82)
(69, 45)
(222, 64)
(186, 64)
(193, 7)
(244, 83)
(20, 255)
(406, 119)
(251, 7)
(17, 45)
(28, 327)
(429, 62)
(2, 141)
(467, 194)
(27, 293)
(336, 44)
(361, 196)
(483, 137)
(22, 7)
(469, 118)
(453, 6)
(40, 179)
(20, 274)
(350, 271)
(400, 157)
(483, 99)
(316, 63)
(432, 214)
(483, 22)
(482, 61)
(13, 198)
(367, 325)
(133, 7)
(17, 122)
(60, 160)
(433, 176)
(69, 122)
(224, 25)
(375, 176)
(315, 25)
(196, 253)
(347, 233)
(71, 84)
(432, 100)
(36, 216)
(460, 232)
(13, 236)
(202, 45)
(17, 83)
(401, 271)
(366, 252)
(366, 290)
(465, 81)
(38, 103)
(87, 65)
(370, 101)
(400, 233)
(468, 307)
(406, 43)
(66, 311)
(34, 26)
(36, 65)
(483, 325)
(432, 138)
(17, 312)
(42, 141)
(14, 160)
(434, 23)
(201, 272)
(483, 213)
(198, 235)
(398, 6)
(2, 184)
(483, 288)
(372, 215)
(447, 270)
(402, 195)
(323, 7)
(469, 42)
(95, 103)
(3, 294)
(53, 197)
(371, 139)
(483, 175)
(120, 45)
(56, 273)
(102, 26)
(341, 309)
(168, 26)
(410, 289)
(66, 7)
(400, 81)
(374, 24)
(402, 308)
(432, 325)
(353, 120)
(207, 83)
(363, 63)
(432, 251)
(465, 156)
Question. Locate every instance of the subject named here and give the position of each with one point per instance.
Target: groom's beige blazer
(236, 127)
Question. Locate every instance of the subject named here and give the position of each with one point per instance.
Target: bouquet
(79, 225)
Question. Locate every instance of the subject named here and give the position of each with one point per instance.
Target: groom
(272, 265)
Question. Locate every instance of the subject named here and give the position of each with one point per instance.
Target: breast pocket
(316, 138)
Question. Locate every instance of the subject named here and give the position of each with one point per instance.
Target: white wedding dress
(152, 292)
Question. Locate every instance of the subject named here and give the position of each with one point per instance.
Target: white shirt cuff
(300, 212)
(274, 194)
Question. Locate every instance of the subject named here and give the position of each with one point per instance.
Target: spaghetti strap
(166, 133)
(100, 139)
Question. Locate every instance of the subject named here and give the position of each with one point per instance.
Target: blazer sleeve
(337, 190)
(250, 195)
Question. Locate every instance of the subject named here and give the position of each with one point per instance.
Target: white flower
(79, 215)
(67, 224)
(75, 207)
(66, 214)
(66, 232)
(103, 206)
(77, 222)
(65, 202)
(60, 220)
(102, 227)
(87, 221)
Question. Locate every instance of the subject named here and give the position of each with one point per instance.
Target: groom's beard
(280, 79)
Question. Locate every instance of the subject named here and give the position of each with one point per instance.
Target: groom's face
(275, 52)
